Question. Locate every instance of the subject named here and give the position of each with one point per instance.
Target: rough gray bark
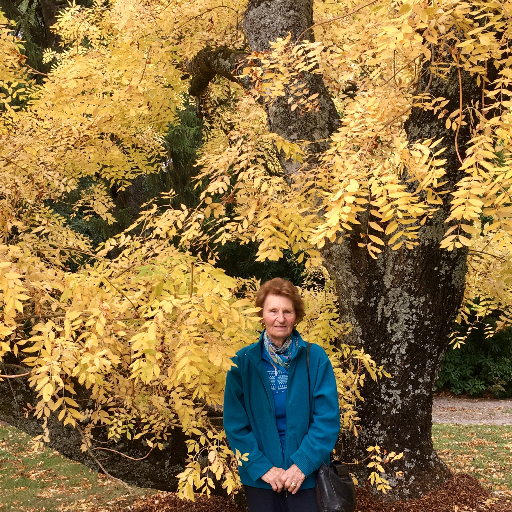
(158, 470)
(401, 305)
(266, 21)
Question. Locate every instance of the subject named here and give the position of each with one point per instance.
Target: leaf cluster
(146, 326)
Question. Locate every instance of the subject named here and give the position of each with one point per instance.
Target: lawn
(34, 478)
(483, 451)
(37, 479)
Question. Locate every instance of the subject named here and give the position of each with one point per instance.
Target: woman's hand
(274, 477)
(292, 478)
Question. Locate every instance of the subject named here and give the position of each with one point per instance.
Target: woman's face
(278, 318)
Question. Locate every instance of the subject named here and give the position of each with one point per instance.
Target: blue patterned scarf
(283, 355)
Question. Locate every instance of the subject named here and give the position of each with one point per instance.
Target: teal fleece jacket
(250, 419)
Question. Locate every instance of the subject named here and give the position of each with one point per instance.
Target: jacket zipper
(291, 370)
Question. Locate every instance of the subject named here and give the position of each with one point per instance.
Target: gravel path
(472, 411)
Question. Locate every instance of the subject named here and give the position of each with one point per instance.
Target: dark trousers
(267, 500)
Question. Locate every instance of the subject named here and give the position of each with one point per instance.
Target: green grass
(37, 479)
(484, 451)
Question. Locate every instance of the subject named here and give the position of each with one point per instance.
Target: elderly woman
(287, 428)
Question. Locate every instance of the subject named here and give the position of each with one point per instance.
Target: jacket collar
(254, 352)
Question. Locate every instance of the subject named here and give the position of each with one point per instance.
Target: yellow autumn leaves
(361, 175)
(150, 332)
(150, 335)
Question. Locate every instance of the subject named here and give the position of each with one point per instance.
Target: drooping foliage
(150, 332)
(148, 327)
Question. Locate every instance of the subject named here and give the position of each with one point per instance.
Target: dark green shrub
(480, 366)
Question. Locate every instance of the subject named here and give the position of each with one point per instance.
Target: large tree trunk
(402, 307)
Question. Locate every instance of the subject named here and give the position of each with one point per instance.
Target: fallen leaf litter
(462, 493)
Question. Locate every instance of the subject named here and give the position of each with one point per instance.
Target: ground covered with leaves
(463, 493)
(484, 451)
(36, 479)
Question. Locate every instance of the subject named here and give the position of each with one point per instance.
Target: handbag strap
(309, 384)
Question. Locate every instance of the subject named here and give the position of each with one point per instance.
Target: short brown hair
(285, 288)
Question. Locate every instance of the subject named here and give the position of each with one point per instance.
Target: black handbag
(335, 489)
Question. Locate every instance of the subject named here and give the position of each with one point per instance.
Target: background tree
(382, 148)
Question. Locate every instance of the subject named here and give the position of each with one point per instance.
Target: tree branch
(15, 376)
(123, 455)
(46, 317)
(221, 61)
(89, 451)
